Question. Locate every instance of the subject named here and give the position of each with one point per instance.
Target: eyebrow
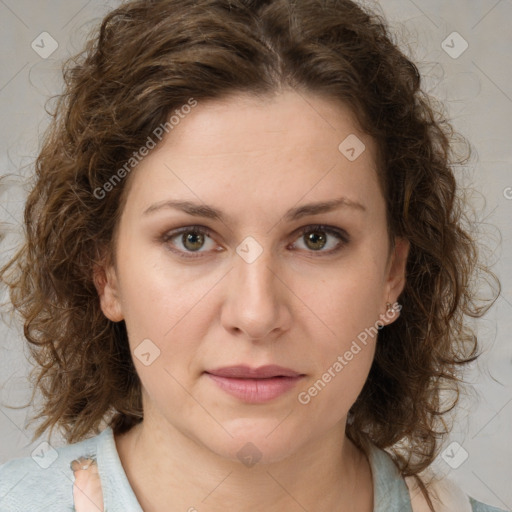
(204, 210)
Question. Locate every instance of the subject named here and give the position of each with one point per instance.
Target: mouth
(255, 385)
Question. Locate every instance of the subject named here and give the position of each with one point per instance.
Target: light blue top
(45, 482)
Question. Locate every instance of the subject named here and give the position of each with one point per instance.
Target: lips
(246, 372)
(255, 385)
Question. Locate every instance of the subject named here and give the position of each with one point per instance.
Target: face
(249, 277)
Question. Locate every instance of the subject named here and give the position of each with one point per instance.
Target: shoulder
(445, 494)
(44, 480)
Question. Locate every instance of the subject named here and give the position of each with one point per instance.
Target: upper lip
(246, 372)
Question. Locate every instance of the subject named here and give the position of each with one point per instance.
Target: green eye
(317, 237)
(188, 241)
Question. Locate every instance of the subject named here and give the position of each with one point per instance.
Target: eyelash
(340, 234)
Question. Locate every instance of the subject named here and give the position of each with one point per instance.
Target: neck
(169, 471)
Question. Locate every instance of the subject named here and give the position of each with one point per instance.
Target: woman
(246, 265)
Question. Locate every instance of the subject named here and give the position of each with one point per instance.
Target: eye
(316, 238)
(191, 239)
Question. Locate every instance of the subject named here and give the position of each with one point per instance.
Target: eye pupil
(192, 237)
(314, 237)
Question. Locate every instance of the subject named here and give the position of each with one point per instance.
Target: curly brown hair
(149, 58)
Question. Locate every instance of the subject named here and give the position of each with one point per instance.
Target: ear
(396, 277)
(107, 286)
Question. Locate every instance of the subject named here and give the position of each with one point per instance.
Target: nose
(257, 299)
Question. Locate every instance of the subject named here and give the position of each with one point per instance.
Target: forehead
(254, 124)
(243, 151)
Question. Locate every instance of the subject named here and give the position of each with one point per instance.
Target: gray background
(477, 91)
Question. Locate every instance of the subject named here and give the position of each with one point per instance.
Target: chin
(255, 441)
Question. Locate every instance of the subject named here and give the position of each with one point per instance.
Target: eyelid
(339, 233)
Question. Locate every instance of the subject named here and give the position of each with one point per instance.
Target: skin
(296, 305)
(87, 491)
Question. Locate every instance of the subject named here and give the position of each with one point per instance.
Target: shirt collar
(390, 492)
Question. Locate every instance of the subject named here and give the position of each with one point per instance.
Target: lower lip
(255, 390)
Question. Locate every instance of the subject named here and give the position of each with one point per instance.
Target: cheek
(165, 312)
(347, 302)
(341, 371)
(330, 394)
(156, 296)
(344, 331)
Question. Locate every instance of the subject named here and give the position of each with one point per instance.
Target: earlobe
(105, 281)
